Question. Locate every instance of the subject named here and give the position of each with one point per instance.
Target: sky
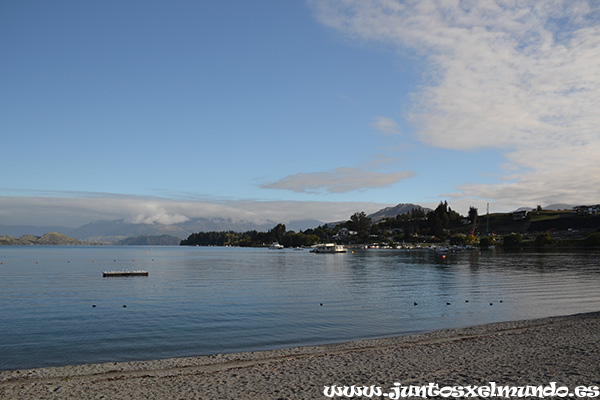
(159, 112)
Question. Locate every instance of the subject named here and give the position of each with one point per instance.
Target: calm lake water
(199, 301)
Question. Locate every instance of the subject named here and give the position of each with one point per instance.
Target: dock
(124, 273)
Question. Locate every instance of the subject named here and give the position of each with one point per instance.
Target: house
(344, 233)
(518, 215)
(587, 210)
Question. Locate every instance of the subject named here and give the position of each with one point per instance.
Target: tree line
(358, 229)
(253, 238)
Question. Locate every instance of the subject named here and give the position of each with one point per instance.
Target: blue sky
(163, 111)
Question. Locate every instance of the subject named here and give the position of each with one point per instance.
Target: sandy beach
(533, 352)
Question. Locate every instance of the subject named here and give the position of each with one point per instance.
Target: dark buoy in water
(491, 304)
(466, 301)
(447, 304)
(414, 303)
(321, 304)
(124, 306)
(93, 306)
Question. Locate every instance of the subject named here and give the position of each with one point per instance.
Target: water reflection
(210, 300)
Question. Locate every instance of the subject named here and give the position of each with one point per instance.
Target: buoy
(93, 305)
(466, 301)
(415, 303)
(321, 304)
(124, 306)
(447, 304)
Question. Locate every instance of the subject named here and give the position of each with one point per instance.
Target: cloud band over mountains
(73, 210)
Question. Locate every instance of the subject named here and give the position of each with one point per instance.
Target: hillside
(392, 212)
(148, 240)
(50, 238)
(543, 221)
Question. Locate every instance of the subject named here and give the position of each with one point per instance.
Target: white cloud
(386, 125)
(337, 180)
(521, 76)
(156, 215)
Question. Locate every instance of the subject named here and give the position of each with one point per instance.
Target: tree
(417, 213)
(512, 241)
(440, 219)
(360, 223)
(276, 234)
(472, 214)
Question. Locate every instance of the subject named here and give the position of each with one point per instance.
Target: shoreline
(559, 349)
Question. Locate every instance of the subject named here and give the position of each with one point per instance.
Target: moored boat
(329, 248)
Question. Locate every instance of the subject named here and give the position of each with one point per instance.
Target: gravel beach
(536, 352)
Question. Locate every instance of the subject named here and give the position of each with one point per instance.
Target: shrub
(542, 239)
(512, 241)
(486, 241)
(592, 240)
(458, 240)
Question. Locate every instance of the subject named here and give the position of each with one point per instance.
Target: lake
(207, 300)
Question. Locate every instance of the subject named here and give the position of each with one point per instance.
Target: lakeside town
(419, 227)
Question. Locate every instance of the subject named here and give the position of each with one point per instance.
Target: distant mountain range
(118, 231)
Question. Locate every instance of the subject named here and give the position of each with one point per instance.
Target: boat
(275, 246)
(124, 273)
(329, 248)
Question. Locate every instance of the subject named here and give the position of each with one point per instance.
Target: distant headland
(50, 238)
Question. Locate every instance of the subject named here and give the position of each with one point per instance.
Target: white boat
(276, 246)
(329, 248)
